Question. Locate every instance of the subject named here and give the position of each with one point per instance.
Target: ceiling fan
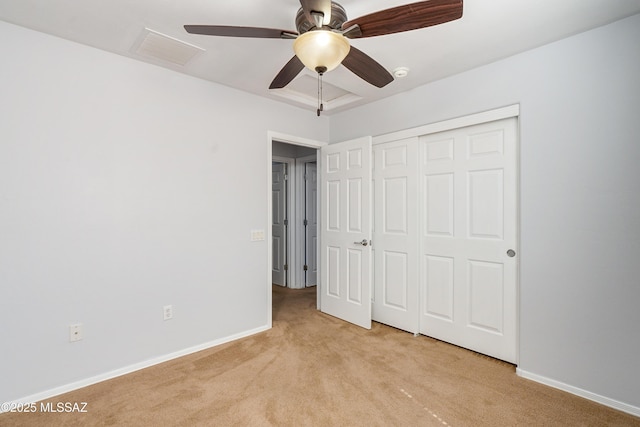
(323, 29)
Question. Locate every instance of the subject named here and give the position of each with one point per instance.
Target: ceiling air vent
(152, 44)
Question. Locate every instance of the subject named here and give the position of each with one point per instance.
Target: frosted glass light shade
(321, 48)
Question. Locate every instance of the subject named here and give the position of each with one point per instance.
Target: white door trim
(289, 139)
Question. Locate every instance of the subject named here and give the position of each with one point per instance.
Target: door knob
(511, 253)
(364, 242)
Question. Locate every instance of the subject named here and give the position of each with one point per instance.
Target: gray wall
(291, 151)
(119, 195)
(579, 191)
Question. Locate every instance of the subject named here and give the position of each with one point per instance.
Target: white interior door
(396, 234)
(311, 224)
(469, 274)
(345, 224)
(278, 226)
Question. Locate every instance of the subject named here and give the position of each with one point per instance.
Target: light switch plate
(257, 235)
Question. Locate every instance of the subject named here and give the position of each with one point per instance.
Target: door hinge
(286, 177)
(286, 222)
(286, 267)
(306, 267)
(305, 222)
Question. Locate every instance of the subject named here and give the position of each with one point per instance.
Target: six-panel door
(345, 231)
(468, 225)
(396, 234)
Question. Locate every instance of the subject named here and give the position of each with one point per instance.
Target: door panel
(469, 224)
(486, 204)
(354, 205)
(311, 229)
(395, 285)
(354, 275)
(333, 271)
(395, 205)
(333, 210)
(438, 204)
(438, 301)
(345, 263)
(396, 235)
(278, 228)
(486, 290)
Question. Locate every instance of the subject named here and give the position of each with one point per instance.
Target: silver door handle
(511, 253)
(364, 242)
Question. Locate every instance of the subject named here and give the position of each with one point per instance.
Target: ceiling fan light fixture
(320, 49)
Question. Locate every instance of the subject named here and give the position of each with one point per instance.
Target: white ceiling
(489, 30)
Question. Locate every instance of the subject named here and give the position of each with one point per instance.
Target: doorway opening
(292, 214)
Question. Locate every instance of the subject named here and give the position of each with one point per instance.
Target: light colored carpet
(311, 369)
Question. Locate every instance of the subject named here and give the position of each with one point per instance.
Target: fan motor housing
(338, 17)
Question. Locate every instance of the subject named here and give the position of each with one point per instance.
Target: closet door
(395, 234)
(469, 237)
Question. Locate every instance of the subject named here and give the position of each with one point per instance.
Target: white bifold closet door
(469, 237)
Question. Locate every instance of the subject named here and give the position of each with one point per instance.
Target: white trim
(269, 179)
(518, 232)
(621, 406)
(459, 122)
(130, 369)
(294, 140)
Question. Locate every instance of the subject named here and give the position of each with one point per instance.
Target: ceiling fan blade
(365, 67)
(288, 73)
(230, 31)
(322, 6)
(406, 18)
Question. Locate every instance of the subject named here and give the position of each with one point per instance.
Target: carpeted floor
(311, 369)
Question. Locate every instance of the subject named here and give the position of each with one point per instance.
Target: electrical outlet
(75, 332)
(167, 312)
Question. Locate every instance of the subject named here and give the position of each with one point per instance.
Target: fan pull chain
(320, 106)
(321, 71)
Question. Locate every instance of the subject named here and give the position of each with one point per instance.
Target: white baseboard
(127, 370)
(612, 403)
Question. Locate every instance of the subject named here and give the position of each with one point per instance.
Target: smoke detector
(400, 72)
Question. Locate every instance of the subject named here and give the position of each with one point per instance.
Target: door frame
(293, 140)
